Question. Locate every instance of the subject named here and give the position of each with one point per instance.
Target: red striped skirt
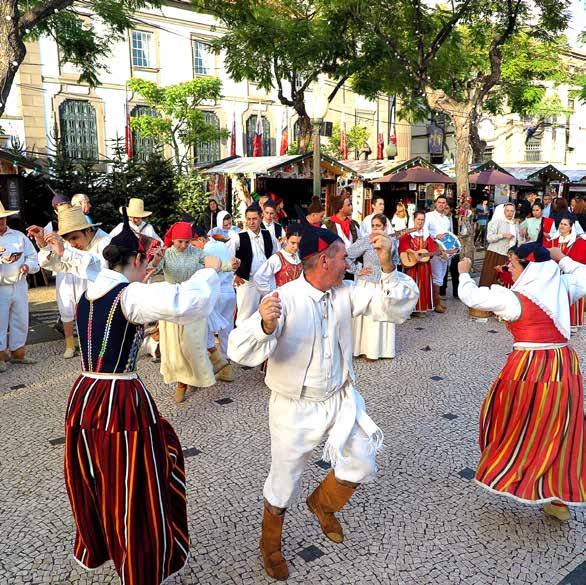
(577, 313)
(532, 429)
(125, 479)
(421, 274)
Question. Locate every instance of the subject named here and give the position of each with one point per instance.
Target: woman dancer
(537, 227)
(575, 247)
(185, 359)
(373, 339)
(282, 267)
(124, 468)
(501, 234)
(532, 426)
(421, 272)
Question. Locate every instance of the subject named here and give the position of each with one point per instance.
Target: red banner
(257, 142)
(343, 142)
(380, 146)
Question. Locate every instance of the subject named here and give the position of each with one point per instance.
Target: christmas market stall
(238, 181)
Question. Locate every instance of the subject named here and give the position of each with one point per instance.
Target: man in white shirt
(269, 213)
(18, 258)
(438, 225)
(252, 247)
(304, 330)
(378, 206)
(137, 214)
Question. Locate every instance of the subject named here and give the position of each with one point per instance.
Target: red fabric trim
(343, 223)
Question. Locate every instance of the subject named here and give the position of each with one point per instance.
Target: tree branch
(41, 11)
(280, 94)
(337, 88)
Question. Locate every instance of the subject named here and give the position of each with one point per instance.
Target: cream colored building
(167, 46)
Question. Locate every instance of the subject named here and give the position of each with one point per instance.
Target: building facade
(166, 46)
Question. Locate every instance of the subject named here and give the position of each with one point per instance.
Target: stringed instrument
(410, 258)
(400, 233)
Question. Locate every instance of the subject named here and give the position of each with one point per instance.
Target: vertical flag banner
(233, 137)
(392, 128)
(343, 140)
(284, 133)
(128, 142)
(257, 142)
(380, 146)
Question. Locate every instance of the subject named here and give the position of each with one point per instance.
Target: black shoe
(59, 326)
(442, 292)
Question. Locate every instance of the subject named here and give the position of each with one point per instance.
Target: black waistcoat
(244, 252)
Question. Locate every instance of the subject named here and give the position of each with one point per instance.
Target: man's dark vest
(244, 252)
(278, 229)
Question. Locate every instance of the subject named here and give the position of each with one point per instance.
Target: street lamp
(317, 108)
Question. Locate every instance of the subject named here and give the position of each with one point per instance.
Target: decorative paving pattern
(420, 523)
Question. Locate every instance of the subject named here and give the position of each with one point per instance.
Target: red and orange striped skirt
(125, 479)
(532, 429)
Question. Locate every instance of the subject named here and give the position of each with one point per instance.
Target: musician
(438, 225)
(421, 243)
(252, 247)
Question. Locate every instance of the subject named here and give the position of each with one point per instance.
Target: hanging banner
(435, 140)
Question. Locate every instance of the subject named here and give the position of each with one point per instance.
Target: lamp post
(317, 108)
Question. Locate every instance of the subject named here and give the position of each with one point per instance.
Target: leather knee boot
(270, 545)
(437, 302)
(330, 496)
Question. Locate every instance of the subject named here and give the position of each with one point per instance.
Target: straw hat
(6, 213)
(136, 208)
(72, 219)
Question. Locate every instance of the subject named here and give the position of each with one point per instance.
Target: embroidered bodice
(109, 342)
(288, 271)
(534, 325)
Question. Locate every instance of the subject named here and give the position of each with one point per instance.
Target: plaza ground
(424, 521)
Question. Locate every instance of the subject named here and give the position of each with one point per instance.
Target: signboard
(435, 140)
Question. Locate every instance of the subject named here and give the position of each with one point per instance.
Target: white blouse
(264, 277)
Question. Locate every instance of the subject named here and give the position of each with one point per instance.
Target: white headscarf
(542, 283)
(568, 240)
(220, 218)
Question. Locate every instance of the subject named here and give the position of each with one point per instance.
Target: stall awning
(416, 175)
(496, 177)
(18, 160)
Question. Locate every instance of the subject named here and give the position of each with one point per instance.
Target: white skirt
(374, 339)
(184, 354)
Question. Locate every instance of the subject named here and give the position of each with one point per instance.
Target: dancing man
(305, 331)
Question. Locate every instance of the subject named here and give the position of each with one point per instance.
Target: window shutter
(79, 133)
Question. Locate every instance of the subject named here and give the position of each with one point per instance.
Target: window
(143, 147)
(203, 59)
(533, 149)
(266, 135)
(209, 151)
(142, 43)
(488, 154)
(79, 133)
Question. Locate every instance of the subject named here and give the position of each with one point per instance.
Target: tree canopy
(83, 42)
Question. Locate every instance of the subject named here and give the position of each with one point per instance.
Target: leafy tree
(286, 44)
(82, 43)
(356, 138)
(192, 192)
(180, 122)
(450, 58)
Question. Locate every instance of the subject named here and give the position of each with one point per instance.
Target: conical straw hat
(72, 219)
(6, 212)
(136, 208)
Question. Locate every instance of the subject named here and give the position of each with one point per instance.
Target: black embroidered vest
(244, 252)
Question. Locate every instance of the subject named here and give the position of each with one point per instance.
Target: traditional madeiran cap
(127, 238)
(58, 199)
(313, 239)
(532, 252)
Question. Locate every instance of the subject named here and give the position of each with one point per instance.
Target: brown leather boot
(330, 496)
(437, 302)
(270, 545)
(218, 360)
(180, 392)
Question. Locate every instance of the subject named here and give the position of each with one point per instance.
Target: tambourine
(450, 243)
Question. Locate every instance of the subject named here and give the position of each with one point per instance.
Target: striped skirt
(577, 313)
(532, 429)
(125, 479)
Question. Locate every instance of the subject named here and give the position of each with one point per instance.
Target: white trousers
(225, 305)
(13, 315)
(297, 427)
(65, 293)
(247, 299)
(439, 268)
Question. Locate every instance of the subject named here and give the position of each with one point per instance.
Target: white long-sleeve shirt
(258, 249)
(264, 277)
(143, 228)
(16, 242)
(437, 223)
(178, 303)
(505, 304)
(312, 343)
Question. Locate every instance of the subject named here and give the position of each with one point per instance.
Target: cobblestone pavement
(422, 522)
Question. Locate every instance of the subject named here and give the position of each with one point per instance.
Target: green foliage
(180, 121)
(356, 138)
(192, 193)
(86, 42)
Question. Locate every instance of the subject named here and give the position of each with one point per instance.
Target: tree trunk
(305, 131)
(12, 49)
(478, 146)
(462, 138)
